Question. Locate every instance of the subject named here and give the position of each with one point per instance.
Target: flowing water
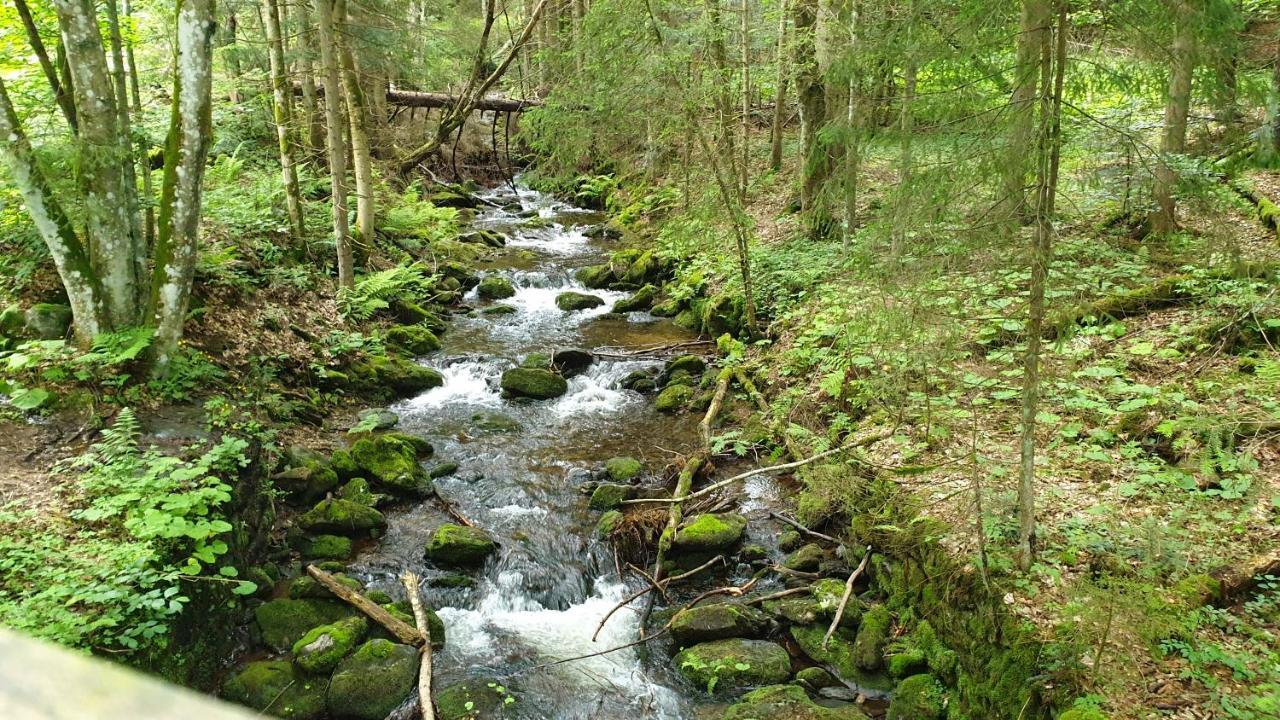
(541, 597)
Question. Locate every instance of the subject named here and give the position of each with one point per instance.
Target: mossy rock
(722, 314)
(1083, 714)
(357, 490)
(666, 309)
(452, 197)
(728, 665)
(495, 287)
(443, 470)
(500, 310)
(574, 301)
(873, 637)
(328, 547)
(394, 375)
(305, 586)
(570, 362)
(306, 483)
(609, 496)
(473, 700)
(838, 653)
(596, 277)
(787, 702)
(533, 383)
(377, 419)
(460, 546)
(277, 688)
(641, 381)
(13, 322)
(622, 469)
(283, 621)
(919, 697)
(718, 621)
(709, 532)
(642, 299)
(335, 516)
(646, 269)
(806, 559)
(484, 236)
(537, 361)
(413, 339)
(673, 399)
(407, 312)
(493, 423)
(691, 364)
(47, 321)
(342, 464)
(816, 678)
(403, 612)
(608, 523)
(795, 610)
(392, 460)
(320, 650)
(373, 681)
(687, 319)
(452, 580)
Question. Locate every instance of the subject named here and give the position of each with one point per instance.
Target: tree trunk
(144, 165)
(60, 94)
(812, 98)
(129, 165)
(186, 149)
(746, 95)
(337, 150)
(230, 32)
(724, 97)
(282, 106)
(1269, 134)
(1032, 28)
(361, 154)
(84, 293)
(1174, 140)
(101, 167)
(779, 102)
(315, 134)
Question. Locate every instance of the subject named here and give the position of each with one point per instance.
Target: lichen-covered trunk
(357, 116)
(129, 164)
(811, 93)
(1174, 139)
(144, 164)
(101, 162)
(1031, 29)
(69, 255)
(282, 107)
(337, 150)
(60, 94)
(186, 149)
(723, 83)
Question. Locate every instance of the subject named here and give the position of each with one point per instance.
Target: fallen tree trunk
(404, 632)
(425, 702)
(413, 99)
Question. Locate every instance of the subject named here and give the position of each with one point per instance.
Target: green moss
(645, 269)
(608, 523)
(609, 496)
(694, 365)
(573, 301)
(873, 636)
(596, 277)
(358, 491)
(335, 516)
(393, 376)
(495, 287)
(726, 665)
(816, 678)
(459, 545)
(282, 622)
(373, 681)
(641, 300)
(622, 469)
(392, 460)
(708, 532)
(328, 547)
(533, 383)
(320, 650)
(717, 621)
(305, 586)
(413, 339)
(673, 399)
(278, 688)
(787, 702)
(344, 465)
(919, 697)
(306, 483)
(806, 559)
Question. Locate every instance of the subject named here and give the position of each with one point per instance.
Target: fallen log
(402, 630)
(414, 99)
(425, 701)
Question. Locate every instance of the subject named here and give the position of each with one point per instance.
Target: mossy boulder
(596, 277)
(838, 653)
(608, 523)
(413, 339)
(727, 665)
(283, 621)
(642, 299)
(645, 269)
(691, 364)
(537, 361)
(377, 419)
(335, 516)
(816, 678)
(320, 650)
(495, 287)
(47, 321)
(533, 383)
(403, 612)
(673, 399)
(500, 310)
(641, 381)
(795, 610)
(373, 681)
(718, 621)
(709, 532)
(277, 688)
(622, 469)
(305, 586)
(444, 469)
(460, 546)
(452, 196)
(573, 301)
(484, 236)
(666, 309)
(919, 697)
(13, 322)
(787, 702)
(327, 547)
(873, 637)
(473, 700)
(306, 483)
(827, 593)
(806, 559)
(342, 464)
(357, 490)
(394, 375)
(392, 460)
(492, 423)
(609, 496)
(407, 312)
(722, 314)
(570, 362)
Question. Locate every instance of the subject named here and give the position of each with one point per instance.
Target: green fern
(377, 291)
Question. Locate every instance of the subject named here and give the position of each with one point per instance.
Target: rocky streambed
(502, 478)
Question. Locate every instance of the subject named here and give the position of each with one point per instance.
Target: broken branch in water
(844, 599)
(410, 580)
(404, 632)
(661, 585)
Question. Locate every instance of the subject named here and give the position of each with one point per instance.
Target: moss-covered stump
(460, 546)
(718, 621)
(335, 516)
(727, 665)
(609, 496)
(574, 301)
(495, 287)
(533, 383)
(919, 697)
(642, 299)
(673, 399)
(320, 650)
(373, 681)
(392, 460)
(283, 622)
(596, 277)
(277, 688)
(393, 376)
(787, 702)
(473, 700)
(622, 469)
(413, 339)
(709, 533)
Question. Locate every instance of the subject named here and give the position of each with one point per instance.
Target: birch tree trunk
(101, 166)
(337, 150)
(84, 293)
(1174, 140)
(186, 150)
(282, 106)
(357, 115)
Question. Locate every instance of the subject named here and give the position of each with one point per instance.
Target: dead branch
(410, 580)
(804, 530)
(844, 599)
(778, 595)
(402, 630)
(722, 387)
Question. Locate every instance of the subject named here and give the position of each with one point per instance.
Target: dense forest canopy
(944, 332)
